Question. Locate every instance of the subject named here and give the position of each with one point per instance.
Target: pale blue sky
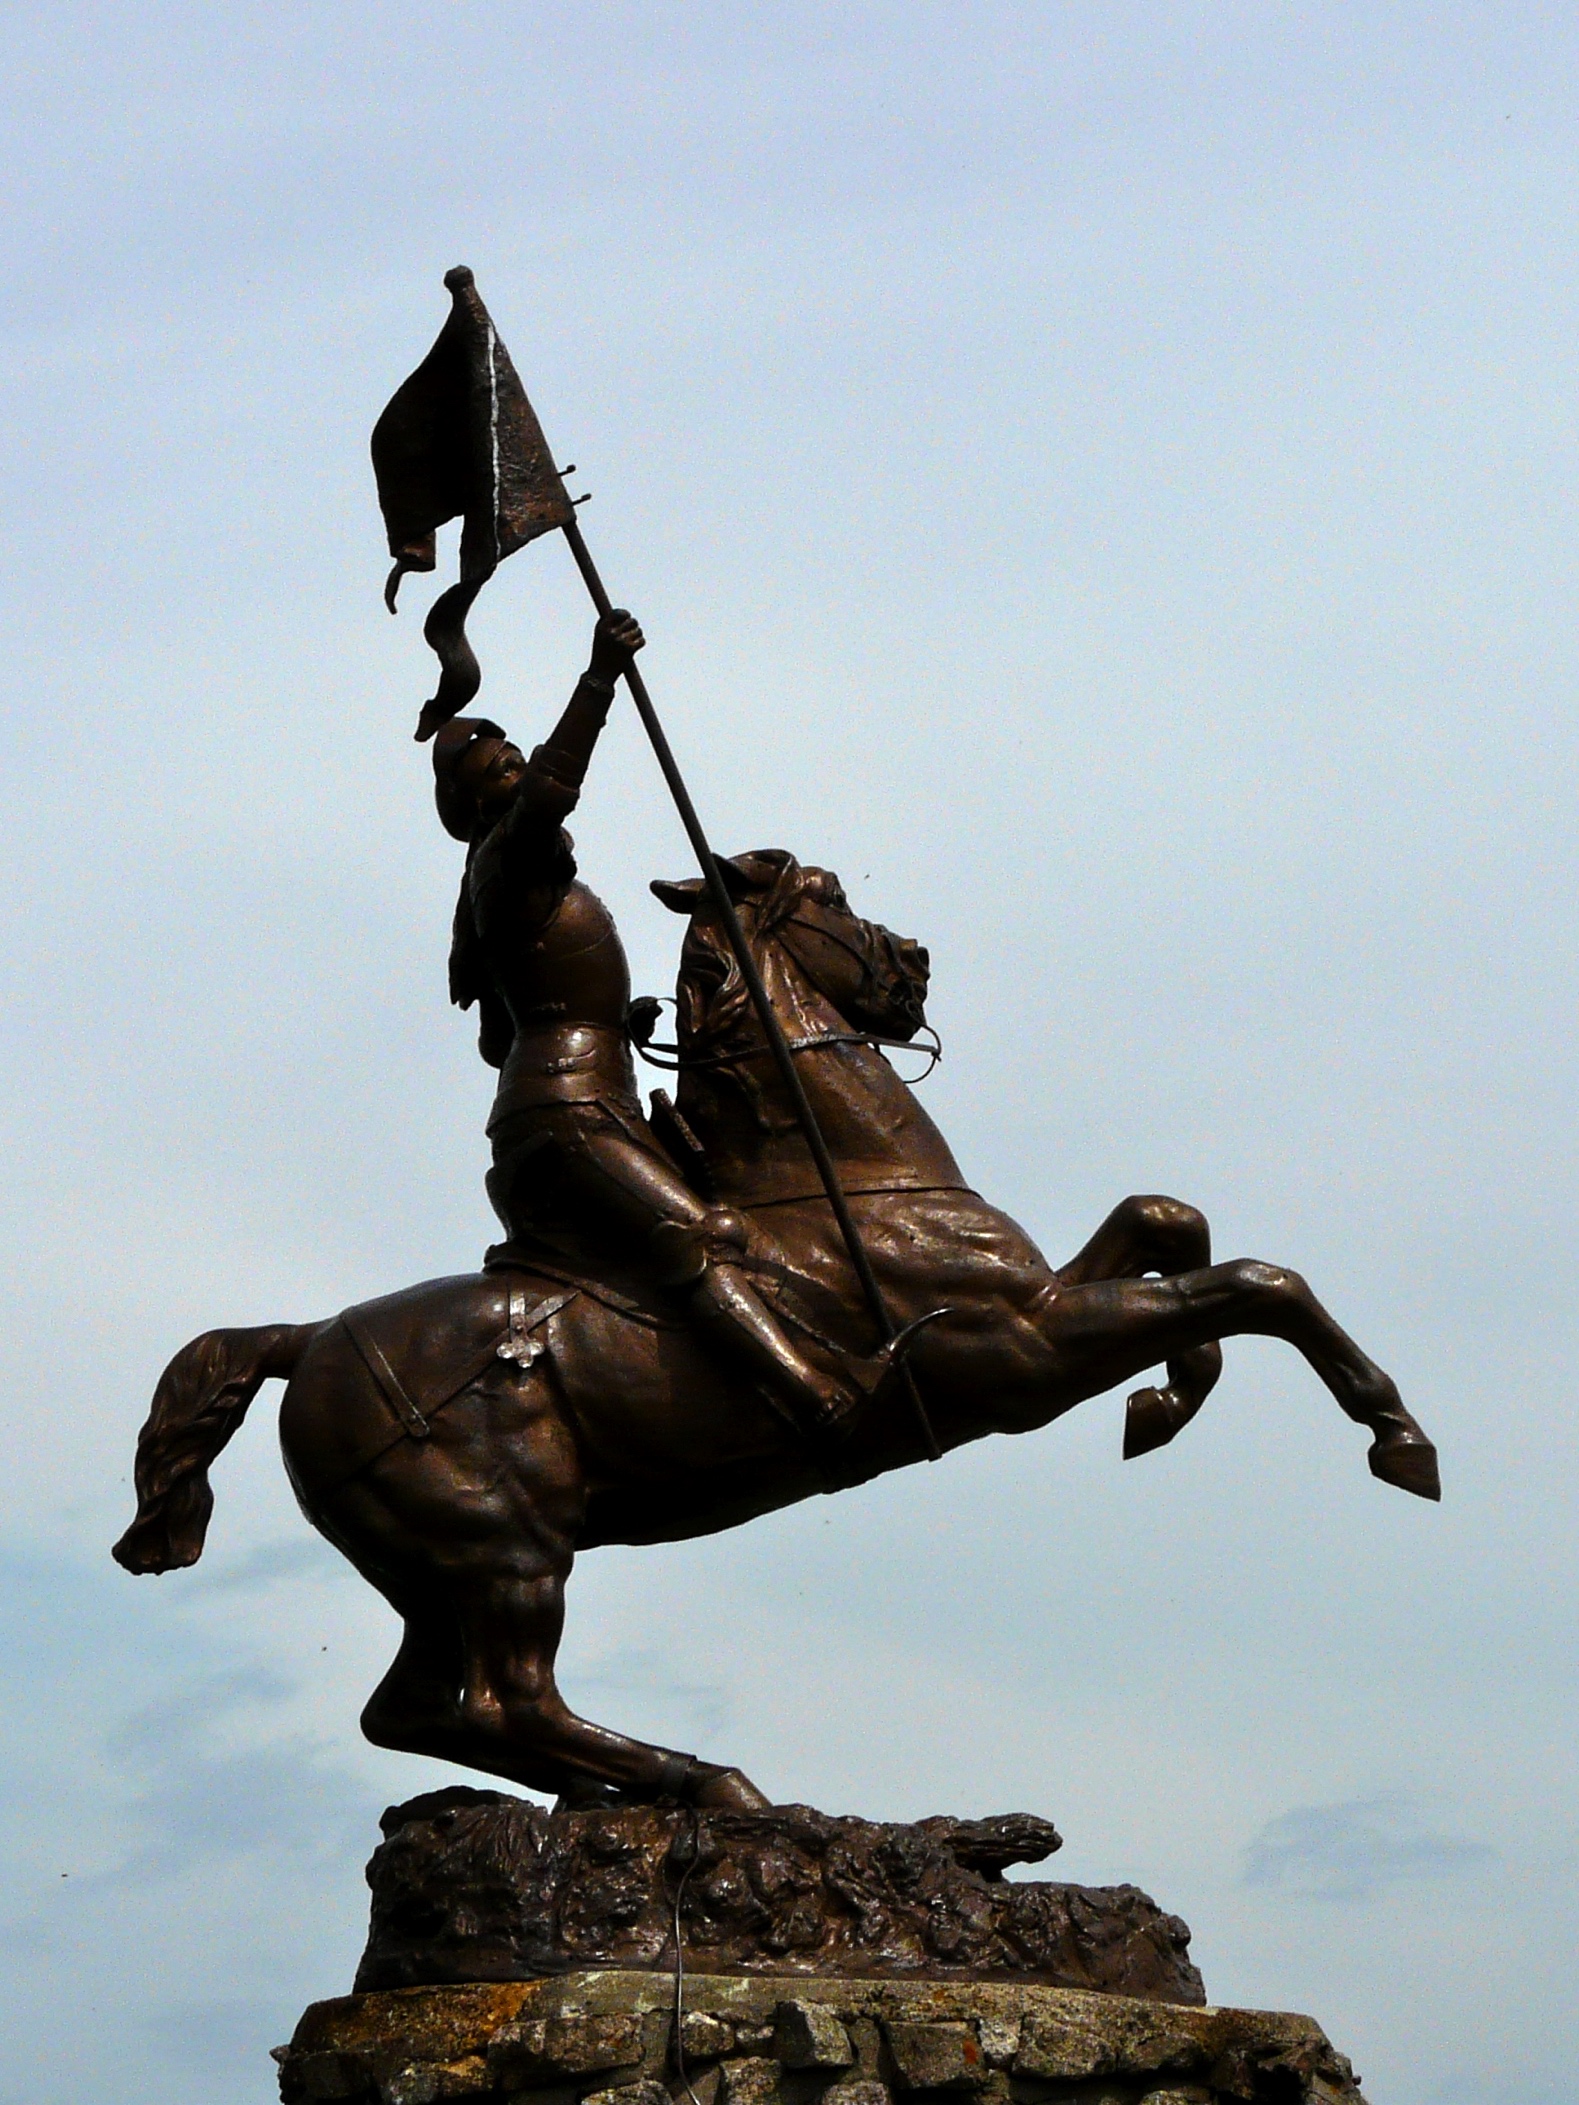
(1101, 477)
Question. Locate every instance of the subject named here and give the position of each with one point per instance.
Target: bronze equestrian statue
(670, 1341)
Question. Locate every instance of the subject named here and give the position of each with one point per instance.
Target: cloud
(185, 1805)
(697, 1709)
(1354, 1851)
(192, 1851)
(290, 1558)
(193, 1801)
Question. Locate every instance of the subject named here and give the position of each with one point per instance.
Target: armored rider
(537, 952)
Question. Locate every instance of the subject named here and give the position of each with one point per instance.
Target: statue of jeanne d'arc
(787, 1289)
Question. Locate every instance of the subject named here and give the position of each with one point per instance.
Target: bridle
(673, 1058)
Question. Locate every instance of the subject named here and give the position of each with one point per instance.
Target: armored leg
(706, 1256)
(602, 1167)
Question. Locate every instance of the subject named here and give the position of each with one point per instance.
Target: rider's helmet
(457, 813)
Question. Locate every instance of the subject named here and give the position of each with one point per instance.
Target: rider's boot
(706, 1257)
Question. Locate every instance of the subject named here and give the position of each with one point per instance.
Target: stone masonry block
(545, 2050)
(334, 2076)
(754, 2081)
(415, 2084)
(1135, 2040)
(509, 2043)
(808, 2035)
(657, 2042)
(1000, 2040)
(867, 2039)
(704, 2037)
(433, 2082)
(936, 2057)
(701, 2084)
(646, 2092)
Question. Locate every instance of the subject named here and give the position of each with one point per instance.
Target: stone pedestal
(610, 2038)
(650, 1955)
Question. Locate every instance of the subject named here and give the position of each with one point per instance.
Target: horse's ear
(681, 895)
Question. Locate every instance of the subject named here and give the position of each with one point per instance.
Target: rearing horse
(461, 1440)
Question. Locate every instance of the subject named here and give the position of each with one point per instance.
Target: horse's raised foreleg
(1106, 1331)
(1145, 1234)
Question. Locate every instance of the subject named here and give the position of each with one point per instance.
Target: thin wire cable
(679, 1958)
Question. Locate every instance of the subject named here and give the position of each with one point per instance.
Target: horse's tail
(201, 1399)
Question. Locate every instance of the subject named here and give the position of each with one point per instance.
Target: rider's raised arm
(525, 855)
(564, 755)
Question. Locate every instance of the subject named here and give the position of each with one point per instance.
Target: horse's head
(876, 981)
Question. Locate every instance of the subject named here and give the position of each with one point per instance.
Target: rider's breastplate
(571, 970)
(567, 987)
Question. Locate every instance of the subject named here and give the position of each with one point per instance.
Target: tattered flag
(460, 440)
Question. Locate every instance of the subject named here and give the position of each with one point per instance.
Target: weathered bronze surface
(777, 1285)
(475, 1886)
(612, 2037)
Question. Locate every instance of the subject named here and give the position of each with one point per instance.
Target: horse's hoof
(1151, 1418)
(1408, 1459)
(726, 1790)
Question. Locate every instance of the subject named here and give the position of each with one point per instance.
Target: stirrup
(869, 1376)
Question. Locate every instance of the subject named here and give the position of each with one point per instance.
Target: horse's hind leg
(519, 1725)
(473, 1682)
(1109, 1329)
(416, 1708)
(469, 1534)
(1146, 1234)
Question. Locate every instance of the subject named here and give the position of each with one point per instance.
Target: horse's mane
(711, 993)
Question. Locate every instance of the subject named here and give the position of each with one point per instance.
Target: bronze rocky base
(476, 1886)
(609, 2038)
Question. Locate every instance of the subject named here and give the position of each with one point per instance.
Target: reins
(672, 1058)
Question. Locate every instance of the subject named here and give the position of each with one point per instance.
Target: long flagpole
(773, 1030)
